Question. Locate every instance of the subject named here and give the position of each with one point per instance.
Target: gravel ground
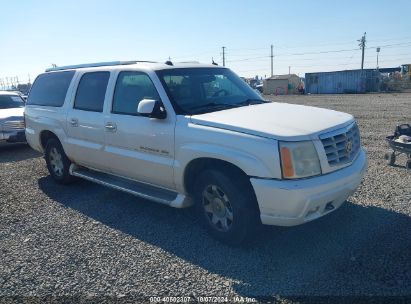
(87, 240)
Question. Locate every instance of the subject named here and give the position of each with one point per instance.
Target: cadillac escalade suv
(192, 134)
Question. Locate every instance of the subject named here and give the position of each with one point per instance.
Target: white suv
(188, 134)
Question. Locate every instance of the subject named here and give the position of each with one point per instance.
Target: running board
(143, 190)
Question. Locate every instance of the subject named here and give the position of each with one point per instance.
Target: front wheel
(227, 206)
(58, 163)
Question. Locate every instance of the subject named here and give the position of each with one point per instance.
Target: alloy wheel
(56, 162)
(217, 208)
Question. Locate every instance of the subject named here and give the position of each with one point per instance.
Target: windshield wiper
(253, 101)
(215, 106)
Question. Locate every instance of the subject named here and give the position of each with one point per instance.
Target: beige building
(281, 84)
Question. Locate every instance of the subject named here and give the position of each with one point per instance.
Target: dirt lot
(87, 240)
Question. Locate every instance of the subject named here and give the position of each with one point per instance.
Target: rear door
(138, 147)
(85, 121)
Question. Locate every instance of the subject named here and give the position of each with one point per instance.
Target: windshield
(11, 101)
(203, 90)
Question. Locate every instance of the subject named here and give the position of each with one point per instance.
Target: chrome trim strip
(337, 132)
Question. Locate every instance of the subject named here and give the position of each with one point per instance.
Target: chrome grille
(13, 125)
(342, 147)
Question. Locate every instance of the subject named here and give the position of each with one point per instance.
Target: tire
(58, 163)
(390, 158)
(227, 206)
(408, 164)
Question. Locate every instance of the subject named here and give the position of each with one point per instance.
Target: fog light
(329, 206)
(314, 210)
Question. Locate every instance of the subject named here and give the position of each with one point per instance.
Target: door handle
(74, 122)
(110, 126)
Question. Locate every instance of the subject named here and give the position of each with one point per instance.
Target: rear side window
(50, 89)
(91, 91)
(131, 88)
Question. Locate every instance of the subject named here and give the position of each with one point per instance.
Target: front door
(138, 147)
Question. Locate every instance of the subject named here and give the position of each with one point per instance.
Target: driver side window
(131, 88)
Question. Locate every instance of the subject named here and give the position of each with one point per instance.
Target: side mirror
(151, 108)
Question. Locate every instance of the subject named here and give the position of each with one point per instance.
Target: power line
(296, 54)
(247, 59)
(404, 44)
(247, 49)
(350, 42)
(322, 52)
(193, 55)
(286, 64)
(391, 45)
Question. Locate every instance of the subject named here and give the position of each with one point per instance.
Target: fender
(248, 163)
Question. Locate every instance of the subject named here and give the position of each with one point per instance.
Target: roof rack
(189, 62)
(96, 64)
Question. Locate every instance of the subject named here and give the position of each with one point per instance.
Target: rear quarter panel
(42, 118)
(46, 118)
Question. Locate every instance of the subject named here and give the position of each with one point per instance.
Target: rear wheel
(227, 206)
(57, 161)
(390, 158)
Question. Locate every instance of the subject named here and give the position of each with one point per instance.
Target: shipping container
(340, 82)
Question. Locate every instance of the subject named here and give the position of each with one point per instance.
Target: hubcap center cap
(218, 207)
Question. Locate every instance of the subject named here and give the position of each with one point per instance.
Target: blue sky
(307, 35)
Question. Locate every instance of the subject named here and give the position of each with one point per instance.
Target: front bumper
(12, 136)
(294, 202)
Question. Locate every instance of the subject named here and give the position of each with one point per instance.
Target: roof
(133, 64)
(282, 77)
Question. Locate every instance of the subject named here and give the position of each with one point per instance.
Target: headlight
(299, 159)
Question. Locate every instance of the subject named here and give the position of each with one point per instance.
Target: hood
(276, 120)
(13, 113)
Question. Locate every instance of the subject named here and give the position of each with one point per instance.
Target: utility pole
(272, 61)
(378, 52)
(289, 70)
(362, 46)
(223, 56)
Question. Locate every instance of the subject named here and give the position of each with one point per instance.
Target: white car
(11, 118)
(189, 134)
